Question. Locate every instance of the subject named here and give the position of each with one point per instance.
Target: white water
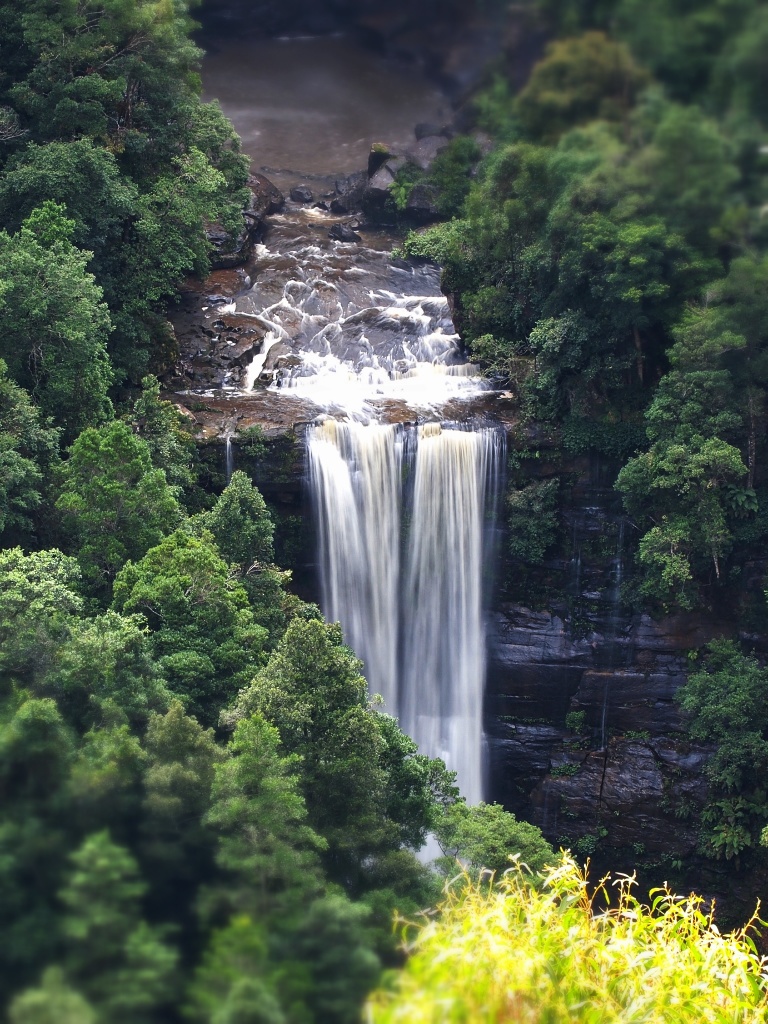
(403, 572)
(355, 475)
(347, 329)
(229, 457)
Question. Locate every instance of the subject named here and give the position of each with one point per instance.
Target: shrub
(554, 955)
(532, 518)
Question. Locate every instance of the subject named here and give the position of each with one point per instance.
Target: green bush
(532, 518)
(612, 440)
(552, 956)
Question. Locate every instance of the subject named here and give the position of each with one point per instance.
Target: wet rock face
(633, 791)
(266, 198)
(585, 736)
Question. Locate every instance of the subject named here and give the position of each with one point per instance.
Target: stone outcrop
(423, 152)
(230, 251)
(586, 737)
(582, 747)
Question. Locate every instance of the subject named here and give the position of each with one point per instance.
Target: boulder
(421, 208)
(266, 198)
(425, 129)
(301, 194)
(228, 250)
(377, 197)
(379, 155)
(423, 152)
(232, 251)
(343, 233)
(349, 193)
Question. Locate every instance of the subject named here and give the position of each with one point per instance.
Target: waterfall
(402, 570)
(229, 458)
(444, 648)
(355, 474)
(612, 642)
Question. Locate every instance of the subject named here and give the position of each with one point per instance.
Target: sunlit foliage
(553, 954)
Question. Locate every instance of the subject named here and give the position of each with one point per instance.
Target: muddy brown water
(312, 106)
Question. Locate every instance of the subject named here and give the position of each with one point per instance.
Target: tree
(330, 948)
(367, 791)
(53, 324)
(233, 983)
(38, 600)
(417, 788)
(28, 451)
(578, 80)
(112, 93)
(54, 1002)
(486, 837)
(99, 669)
(104, 671)
(181, 759)
(202, 629)
(115, 505)
(312, 691)
(161, 425)
(726, 699)
(737, 334)
(241, 523)
(689, 480)
(267, 850)
(85, 182)
(167, 243)
(36, 754)
(105, 780)
(311, 949)
(532, 518)
(118, 961)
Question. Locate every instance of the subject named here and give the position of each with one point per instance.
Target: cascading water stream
(361, 345)
(355, 475)
(443, 668)
(405, 577)
(229, 458)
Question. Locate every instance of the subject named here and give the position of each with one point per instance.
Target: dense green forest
(204, 816)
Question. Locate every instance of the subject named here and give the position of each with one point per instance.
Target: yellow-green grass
(554, 954)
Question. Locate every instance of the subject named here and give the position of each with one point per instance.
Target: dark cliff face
(591, 751)
(585, 736)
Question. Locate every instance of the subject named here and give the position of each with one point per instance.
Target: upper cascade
(350, 330)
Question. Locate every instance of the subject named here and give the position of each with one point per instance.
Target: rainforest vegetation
(204, 818)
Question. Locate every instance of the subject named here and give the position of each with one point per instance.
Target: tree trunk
(752, 443)
(640, 356)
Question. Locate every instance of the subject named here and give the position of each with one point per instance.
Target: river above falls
(315, 326)
(312, 106)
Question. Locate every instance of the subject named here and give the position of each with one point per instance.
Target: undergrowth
(554, 954)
